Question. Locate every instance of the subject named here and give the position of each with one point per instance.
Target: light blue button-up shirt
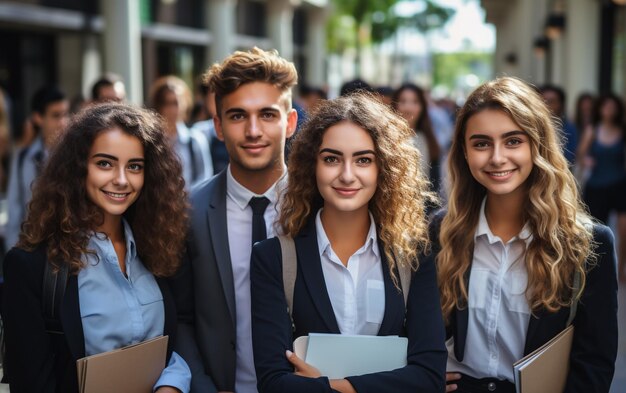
(117, 311)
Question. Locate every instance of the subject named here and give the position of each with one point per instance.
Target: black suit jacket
(312, 312)
(594, 348)
(205, 294)
(36, 363)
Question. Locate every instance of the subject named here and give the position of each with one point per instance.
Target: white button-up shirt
(356, 291)
(498, 309)
(239, 217)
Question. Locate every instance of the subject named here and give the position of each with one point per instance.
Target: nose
(498, 156)
(253, 130)
(120, 177)
(347, 173)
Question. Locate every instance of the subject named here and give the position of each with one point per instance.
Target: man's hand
(302, 368)
(450, 377)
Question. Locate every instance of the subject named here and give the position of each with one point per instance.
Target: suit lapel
(218, 230)
(71, 320)
(394, 300)
(311, 265)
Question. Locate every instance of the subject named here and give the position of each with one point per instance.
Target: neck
(112, 227)
(171, 129)
(258, 181)
(504, 214)
(346, 231)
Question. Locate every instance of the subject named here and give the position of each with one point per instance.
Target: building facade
(577, 44)
(72, 42)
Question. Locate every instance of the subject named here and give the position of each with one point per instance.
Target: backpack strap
(574, 306)
(290, 270)
(54, 284)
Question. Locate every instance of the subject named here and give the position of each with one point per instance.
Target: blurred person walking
(171, 98)
(601, 151)
(50, 114)
(410, 101)
(555, 99)
(108, 88)
(219, 154)
(583, 117)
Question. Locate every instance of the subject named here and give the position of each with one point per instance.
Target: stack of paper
(132, 369)
(341, 355)
(546, 368)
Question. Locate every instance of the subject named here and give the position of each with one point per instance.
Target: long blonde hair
(558, 221)
(399, 203)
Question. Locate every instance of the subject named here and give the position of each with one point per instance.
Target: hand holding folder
(132, 369)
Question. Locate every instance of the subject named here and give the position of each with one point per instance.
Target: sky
(465, 30)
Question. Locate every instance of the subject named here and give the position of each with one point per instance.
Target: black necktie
(258, 205)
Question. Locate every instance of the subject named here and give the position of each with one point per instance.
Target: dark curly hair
(61, 217)
(399, 203)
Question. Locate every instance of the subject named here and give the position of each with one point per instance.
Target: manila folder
(545, 369)
(131, 369)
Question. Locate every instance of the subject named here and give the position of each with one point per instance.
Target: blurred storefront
(578, 44)
(72, 42)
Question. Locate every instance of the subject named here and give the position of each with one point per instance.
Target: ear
(292, 122)
(217, 121)
(37, 119)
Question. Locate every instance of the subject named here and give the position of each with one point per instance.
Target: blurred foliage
(358, 23)
(449, 69)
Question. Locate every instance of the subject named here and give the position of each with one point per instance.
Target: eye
(104, 164)
(514, 142)
(481, 144)
(268, 115)
(135, 167)
(364, 160)
(330, 159)
(236, 116)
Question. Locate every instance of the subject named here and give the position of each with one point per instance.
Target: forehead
(255, 96)
(346, 137)
(490, 122)
(118, 143)
(56, 107)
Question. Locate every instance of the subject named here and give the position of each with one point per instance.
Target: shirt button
(491, 386)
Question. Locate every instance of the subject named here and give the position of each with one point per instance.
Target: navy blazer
(594, 348)
(312, 312)
(35, 362)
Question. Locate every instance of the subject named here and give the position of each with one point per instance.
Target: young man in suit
(230, 212)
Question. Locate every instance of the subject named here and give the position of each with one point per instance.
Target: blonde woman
(514, 236)
(355, 208)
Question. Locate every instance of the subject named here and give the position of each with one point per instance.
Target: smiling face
(115, 173)
(254, 123)
(346, 169)
(498, 152)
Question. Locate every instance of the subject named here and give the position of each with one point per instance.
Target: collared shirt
(498, 308)
(357, 290)
(25, 166)
(239, 218)
(117, 311)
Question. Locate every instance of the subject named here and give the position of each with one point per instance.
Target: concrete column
(91, 63)
(316, 47)
(221, 22)
(582, 31)
(559, 66)
(122, 44)
(279, 24)
(68, 49)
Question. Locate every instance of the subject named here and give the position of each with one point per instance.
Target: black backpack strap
(54, 284)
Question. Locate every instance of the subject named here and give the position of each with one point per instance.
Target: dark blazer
(37, 363)
(312, 312)
(205, 293)
(594, 348)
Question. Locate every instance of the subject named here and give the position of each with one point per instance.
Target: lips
(346, 191)
(500, 175)
(254, 148)
(116, 195)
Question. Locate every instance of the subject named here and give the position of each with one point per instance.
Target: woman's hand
(450, 377)
(303, 369)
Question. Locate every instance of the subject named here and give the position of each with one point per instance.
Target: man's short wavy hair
(255, 65)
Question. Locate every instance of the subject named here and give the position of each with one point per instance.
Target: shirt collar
(101, 242)
(241, 195)
(483, 229)
(323, 243)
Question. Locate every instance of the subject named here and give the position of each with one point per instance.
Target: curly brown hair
(62, 218)
(255, 65)
(399, 203)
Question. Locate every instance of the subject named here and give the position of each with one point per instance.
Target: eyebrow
(110, 157)
(505, 135)
(241, 110)
(337, 152)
